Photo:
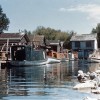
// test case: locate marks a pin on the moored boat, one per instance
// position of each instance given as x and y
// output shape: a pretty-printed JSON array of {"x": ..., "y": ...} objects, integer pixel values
[
  {"x": 96, "y": 60},
  {"x": 94, "y": 57},
  {"x": 24, "y": 55},
  {"x": 53, "y": 60}
]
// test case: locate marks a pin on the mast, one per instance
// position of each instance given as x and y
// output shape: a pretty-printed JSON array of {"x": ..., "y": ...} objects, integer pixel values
[
  {"x": 7, "y": 48},
  {"x": 7, "y": 45}
]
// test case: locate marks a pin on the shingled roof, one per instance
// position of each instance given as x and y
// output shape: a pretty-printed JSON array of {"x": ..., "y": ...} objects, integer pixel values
[
  {"x": 11, "y": 35},
  {"x": 83, "y": 37},
  {"x": 38, "y": 39},
  {"x": 52, "y": 42}
]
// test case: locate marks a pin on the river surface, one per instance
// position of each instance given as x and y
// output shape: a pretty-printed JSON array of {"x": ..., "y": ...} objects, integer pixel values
[{"x": 47, "y": 82}]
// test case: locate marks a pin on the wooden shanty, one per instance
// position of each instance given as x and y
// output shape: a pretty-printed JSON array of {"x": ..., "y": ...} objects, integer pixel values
[
  {"x": 39, "y": 41},
  {"x": 84, "y": 44},
  {"x": 8, "y": 39}
]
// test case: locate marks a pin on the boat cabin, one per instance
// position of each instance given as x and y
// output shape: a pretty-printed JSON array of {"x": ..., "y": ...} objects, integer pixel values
[{"x": 26, "y": 52}]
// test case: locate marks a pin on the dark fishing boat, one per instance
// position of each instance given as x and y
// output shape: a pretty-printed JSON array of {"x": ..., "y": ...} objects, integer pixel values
[{"x": 25, "y": 55}]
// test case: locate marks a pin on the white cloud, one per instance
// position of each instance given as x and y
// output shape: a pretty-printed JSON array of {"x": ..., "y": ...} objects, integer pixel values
[
  {"x": 92, "y": 11},
  {"x": 62, "y": 9}
]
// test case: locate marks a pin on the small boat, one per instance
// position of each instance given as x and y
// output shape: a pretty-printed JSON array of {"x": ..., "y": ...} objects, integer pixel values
[
  {"x": 53, "y": 60},
  {"x": 86, "y": 84},
  {"x": 95, "y": 60},
  {"x": 25, "y": 55},
  {"x": 94, "y": 57}
]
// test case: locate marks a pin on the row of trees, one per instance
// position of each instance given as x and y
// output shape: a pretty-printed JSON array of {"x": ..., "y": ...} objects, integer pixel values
[{"x": 52, "y": 34}]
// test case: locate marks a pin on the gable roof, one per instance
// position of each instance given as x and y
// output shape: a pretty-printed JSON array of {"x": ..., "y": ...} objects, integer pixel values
[
  {"x": 38, "y": 38},
  {"x": 13, "y": 37},
  {"x": 52, "y": 42},
  {"x": 83, "y": 37}
]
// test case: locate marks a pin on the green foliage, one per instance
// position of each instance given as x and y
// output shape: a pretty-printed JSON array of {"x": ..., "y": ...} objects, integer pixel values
[
  {"x": 52, "y": 34},
  {"x": 29, "y": 34},
  {"x": 67, "y": 43},
  {"x": 97, "y": 30},
  {"x": 93, "y": 31},
  {"x": 4, "y": 21}
]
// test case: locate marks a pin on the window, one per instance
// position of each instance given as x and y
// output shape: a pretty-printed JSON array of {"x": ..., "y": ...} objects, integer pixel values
[
  {"x": 88, "y": 44},
  {"x": 77, "y": 44}
]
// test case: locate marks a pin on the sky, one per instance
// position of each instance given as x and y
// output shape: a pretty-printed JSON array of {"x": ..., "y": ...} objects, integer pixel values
[{"x": 80, "y": 16}]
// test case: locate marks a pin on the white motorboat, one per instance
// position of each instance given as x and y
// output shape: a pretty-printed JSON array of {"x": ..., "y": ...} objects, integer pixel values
[
  {"x": 94, "y": 60},
  {"x": 53, "y": 60}
]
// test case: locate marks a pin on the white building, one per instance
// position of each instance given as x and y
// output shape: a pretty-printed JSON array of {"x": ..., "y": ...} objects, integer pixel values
[{"x": 84, "y": 44}]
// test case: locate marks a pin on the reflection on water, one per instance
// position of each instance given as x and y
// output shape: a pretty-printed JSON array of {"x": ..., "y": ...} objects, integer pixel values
[{"x": 51, "y": 81}]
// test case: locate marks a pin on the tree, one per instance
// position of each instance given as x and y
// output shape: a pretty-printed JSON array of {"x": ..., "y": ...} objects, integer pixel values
[
  {"x": 97, "y": 30},
  {"x": 93, "y": 31},
  {"x": 4, "y": 21},
  {"x": 29, "y": 34},
  {"x": 51, "y": 34},
  {"x": 67, "y": 43}
]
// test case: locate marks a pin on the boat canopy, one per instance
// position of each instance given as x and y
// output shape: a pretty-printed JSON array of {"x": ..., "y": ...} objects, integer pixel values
[{"x": 24, "y": 52}]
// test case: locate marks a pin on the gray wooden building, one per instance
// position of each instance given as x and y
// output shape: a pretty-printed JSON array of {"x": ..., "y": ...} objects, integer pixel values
[
  {"x": 84, "y": 44},
  {"x": 8, "y": 39}
]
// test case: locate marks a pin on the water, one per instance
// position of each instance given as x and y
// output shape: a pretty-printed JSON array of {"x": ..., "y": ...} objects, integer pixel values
[{"x": 47, "y": 82}]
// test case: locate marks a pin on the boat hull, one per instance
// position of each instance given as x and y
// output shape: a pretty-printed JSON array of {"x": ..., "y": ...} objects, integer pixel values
[
  {"x": 94, "y": 60},
  {"x": 28, "y": 63},
  {"x": 52, "y": 60}
]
